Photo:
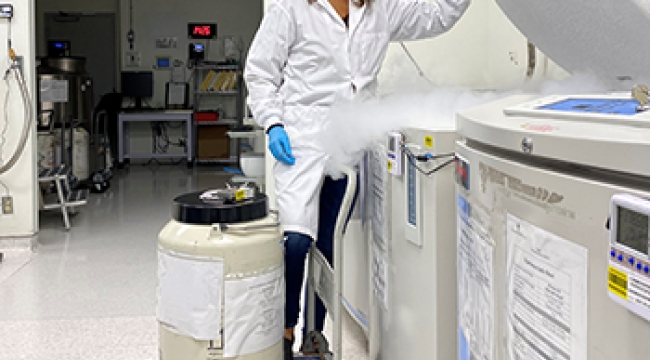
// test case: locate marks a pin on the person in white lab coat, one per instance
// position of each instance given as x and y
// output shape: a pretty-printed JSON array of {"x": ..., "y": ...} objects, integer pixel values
[{"x": 306, "y": 56}]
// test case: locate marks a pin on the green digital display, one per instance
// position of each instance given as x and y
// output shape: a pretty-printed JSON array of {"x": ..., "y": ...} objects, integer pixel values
[{"x": 633, "y": 229}]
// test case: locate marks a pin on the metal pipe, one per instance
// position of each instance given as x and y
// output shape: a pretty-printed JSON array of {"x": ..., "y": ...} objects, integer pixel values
[{"x": 339, "y": 231}]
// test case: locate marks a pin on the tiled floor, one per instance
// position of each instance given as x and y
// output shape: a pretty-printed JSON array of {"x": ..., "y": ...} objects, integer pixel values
[{"x": 90, "y": 293}]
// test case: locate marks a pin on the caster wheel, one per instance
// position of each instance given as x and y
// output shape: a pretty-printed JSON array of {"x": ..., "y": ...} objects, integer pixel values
[{"x": 100, "y": 187}]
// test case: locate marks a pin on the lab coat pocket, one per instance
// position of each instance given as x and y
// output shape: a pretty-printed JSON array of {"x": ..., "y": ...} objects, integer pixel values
[{"x": 373, "y": 51}]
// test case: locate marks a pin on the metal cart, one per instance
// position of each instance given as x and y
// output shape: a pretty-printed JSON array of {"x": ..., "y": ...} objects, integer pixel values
[{"x": 327, "y": 283}]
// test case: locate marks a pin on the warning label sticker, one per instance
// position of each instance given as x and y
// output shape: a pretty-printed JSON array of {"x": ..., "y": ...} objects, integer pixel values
[{"x": 617, "y": 282}]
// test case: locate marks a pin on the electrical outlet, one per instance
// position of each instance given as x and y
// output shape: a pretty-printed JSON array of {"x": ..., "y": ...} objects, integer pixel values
[
  {"x": 132, "y": 59},
  {"x": 7, "y": 205}
]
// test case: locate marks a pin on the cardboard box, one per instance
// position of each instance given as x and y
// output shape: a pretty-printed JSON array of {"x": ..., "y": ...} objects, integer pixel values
[{"x": 213, "y": 142}]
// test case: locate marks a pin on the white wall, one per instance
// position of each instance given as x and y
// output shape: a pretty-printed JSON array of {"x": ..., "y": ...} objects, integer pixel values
[
  {"x": 168, "y": 18},
  {"x": 483, "y": 51},
  {"x": 21, "y": 180}
]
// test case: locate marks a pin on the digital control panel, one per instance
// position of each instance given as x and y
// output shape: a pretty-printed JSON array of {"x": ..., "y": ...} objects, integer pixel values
[
  {"x": 395, "y": 154},
  {"x": 628, "y": 278},
  {"x": 618, "y": 109},
  {"x": 598, "y": 106}
]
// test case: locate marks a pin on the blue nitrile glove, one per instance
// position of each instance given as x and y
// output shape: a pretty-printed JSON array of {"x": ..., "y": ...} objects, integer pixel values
[{"x": 280, "y": 146}]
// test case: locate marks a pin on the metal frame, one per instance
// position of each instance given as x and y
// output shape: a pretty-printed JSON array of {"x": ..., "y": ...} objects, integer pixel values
[
  {"x": 327, "y": 283},
  {"x": 66, "y": 198},
  {"x": 154, "y": 116}
]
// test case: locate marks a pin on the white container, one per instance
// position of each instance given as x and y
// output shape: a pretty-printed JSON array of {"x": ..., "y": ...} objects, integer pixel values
[
  {"x": 80, "y": 151},
  {"x": 221, "y": 286},
  {"x": 45, "y": 150},
  {"x": 253, "y": 165}
]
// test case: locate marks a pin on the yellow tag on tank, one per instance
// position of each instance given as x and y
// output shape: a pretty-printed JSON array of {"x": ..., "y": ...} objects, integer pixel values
[
  {"x": 428, "y": 141},
  {"x": 240, "y": 195},
  {"x": 617, "y": 282},
  {"x": 390, "y": 165}
]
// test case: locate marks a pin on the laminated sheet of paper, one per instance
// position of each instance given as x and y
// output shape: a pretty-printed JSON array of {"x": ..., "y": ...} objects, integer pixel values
[
  {"x": 254, "y": 313},
  {"x": 380, "y": 275},
  {"x": 378, "y": 191},
  {"x": 476, "y": 311},
  {"x": 176, "y": 95},
  {"x": 547, "y": 295},
  {"x": 190, "y": 294},
  {"x": 54, "y": 91}
]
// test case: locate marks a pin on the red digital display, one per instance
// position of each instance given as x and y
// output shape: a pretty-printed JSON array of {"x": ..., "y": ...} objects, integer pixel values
[{"x": 202, "y": 31}]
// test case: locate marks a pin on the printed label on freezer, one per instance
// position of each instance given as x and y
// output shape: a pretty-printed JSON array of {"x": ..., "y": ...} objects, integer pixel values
[
  {"x": 546, "y": 313},
  {"x": 476, "y": 313}
]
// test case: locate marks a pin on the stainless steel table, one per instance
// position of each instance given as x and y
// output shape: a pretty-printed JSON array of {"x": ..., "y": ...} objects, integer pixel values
[{"x": 126, "y": 118}]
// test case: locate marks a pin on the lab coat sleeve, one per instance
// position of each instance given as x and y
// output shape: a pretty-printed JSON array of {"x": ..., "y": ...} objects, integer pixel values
[
  {"x": 267, "y": 56},
  {"x": 421, "y": 19}
]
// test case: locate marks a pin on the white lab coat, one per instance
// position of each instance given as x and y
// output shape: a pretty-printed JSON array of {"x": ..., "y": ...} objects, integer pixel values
[{"x": 304, "y": 59}]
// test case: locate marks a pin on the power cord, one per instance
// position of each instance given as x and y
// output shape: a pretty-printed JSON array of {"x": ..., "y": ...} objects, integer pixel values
[{"x": 414, "y": 159}]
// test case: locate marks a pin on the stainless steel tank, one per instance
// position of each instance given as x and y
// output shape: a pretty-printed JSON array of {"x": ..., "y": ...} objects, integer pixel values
[{"x": 79, "y": 104}]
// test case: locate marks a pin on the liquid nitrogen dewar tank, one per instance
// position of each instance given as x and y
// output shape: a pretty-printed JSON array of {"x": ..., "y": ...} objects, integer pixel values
[{"x": 221, "y": 278}]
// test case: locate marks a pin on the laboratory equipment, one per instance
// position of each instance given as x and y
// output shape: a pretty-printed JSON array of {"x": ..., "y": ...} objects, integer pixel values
[
  {"x": 395, "y": 155},
  {"x": 58, "y": 48},
  {"x": 221, "y": 278},
  {"x": 413, "y": 245},
  {"x": 137, "y": 85},
  {"x": 533, "y": 222},
  {"x": 629, "y": 262},
  {"x": 197, "y": 52},
  {"x": 66, "y": 92},
  {"x": 551, "y": 234},
  {"x": 105, "y": 119},
  {"x": 19, "y": 215},
  {"x": 75, "y": 153}
]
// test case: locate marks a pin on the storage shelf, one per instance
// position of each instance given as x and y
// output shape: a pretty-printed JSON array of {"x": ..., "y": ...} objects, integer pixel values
[
  {"x": 232, "y": 160},
  {"x": 251, "y": 134},
  {"x": 218, "y": 122},
  {"x": 223, "y": 93},
  {"x": 205, "y": 96},
  {"x": 216, "y": 67},
  {"x": 156, "y": 156}
]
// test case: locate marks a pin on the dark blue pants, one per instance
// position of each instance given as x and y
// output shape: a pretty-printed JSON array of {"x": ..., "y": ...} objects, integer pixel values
[{"x": 297, "y": 246}]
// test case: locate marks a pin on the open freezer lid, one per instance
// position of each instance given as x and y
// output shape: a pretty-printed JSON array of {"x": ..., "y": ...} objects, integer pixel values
[
  {"x": 606, "y": 37},
  {"x": 616, "y": 142}
]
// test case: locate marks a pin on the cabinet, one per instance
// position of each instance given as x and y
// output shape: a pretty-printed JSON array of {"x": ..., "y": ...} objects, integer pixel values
[{"x": 218, "y": 107}]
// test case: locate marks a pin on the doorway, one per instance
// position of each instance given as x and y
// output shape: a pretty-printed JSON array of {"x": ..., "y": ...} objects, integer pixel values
[{"x": 92, "y": 36}]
